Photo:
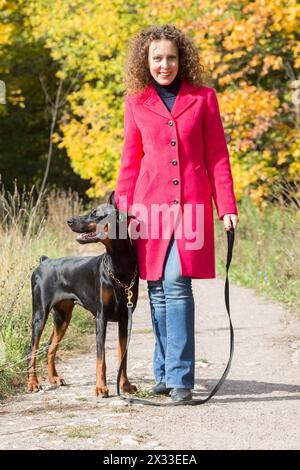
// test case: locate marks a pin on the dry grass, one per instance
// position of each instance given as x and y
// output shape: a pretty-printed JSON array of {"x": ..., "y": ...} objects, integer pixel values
[
  {"x": 24, "y": 237},
  {"x": 267, "y": 247},
  {"x": 266, "y": 257}
]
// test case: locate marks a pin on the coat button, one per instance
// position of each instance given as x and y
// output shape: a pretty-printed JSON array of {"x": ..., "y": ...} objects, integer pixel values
[
  {"x": 175, "y": 181},
  {"x": 175, "y": 201},
  {"x": 174, "y": 162},
  {"x": 171, "y": 123},
  {"x": 173, "y": 142}
]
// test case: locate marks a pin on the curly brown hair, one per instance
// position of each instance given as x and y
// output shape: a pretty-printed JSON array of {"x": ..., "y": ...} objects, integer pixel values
[{"x": 136, "y": 77}]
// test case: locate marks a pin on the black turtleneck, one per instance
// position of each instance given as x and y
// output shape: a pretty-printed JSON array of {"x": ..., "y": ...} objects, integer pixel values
[{"x": 169, "y": 92}]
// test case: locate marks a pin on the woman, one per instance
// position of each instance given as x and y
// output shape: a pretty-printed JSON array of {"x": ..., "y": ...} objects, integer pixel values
[{"x": 174, "y": 161}]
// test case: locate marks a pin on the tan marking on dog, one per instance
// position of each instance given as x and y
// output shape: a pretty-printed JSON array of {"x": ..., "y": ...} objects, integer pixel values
[
  {"x": 125, "y": 385},
  {"x": 66, "y": 308},
  {"x": 101, "y": 386}
]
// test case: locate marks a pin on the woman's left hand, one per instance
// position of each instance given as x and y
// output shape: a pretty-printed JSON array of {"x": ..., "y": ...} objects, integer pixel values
[{"x": 230, "y": 220}]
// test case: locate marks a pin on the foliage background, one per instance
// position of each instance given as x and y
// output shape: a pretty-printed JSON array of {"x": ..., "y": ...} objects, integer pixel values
[
  {"x": 72, "y": 53},
  {"x": 251, "y": 50}
]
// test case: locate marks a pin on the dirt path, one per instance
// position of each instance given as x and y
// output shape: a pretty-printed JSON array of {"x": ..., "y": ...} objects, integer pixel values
[{"x": 257, "y": 407}]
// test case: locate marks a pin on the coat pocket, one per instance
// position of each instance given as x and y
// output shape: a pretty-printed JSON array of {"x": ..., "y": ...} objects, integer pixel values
[{"x": 143, "y": 183}]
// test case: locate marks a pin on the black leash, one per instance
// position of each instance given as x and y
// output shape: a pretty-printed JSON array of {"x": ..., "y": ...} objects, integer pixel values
[{"x": 129, "y": 400}]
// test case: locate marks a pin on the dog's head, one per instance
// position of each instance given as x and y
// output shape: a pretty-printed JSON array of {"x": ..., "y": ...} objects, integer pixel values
[{"x": 99, "y": 224}]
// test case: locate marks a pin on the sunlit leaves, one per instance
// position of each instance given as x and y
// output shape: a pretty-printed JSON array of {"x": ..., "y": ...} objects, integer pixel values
[{"x": 250, "y": 48}]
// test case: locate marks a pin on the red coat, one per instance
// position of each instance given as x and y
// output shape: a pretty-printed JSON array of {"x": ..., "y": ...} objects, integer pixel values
[{"x": 175, "y": 158}]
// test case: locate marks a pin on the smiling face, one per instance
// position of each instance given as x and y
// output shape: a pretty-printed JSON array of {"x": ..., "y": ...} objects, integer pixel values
[{"x": 163, "y": 61}]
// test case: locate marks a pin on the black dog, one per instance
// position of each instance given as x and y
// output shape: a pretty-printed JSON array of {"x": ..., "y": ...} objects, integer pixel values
[{"x": 95, "y": 283}]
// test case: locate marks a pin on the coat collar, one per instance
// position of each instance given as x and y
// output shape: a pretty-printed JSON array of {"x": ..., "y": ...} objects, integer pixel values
[{"x": 184, "y": 100}]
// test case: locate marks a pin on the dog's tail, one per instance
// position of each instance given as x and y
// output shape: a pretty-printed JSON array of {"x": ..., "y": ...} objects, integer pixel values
[{"x": 42, "y": 258}]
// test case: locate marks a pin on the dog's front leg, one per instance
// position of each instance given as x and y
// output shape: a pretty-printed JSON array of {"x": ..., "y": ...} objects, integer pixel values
[
  {"x": 125, "y": 385},
  {"x": 39, "y": 318},
  {"x": 101, "y": 387}
]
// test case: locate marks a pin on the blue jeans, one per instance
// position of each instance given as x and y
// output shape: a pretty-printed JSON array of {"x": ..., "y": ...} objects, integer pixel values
[{"x": 173, "y": 319}]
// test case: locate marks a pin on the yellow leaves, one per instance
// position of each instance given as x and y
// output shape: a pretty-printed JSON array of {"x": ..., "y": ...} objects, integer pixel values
[
  {"x": 250, "y": 105},
  {"x": 294, "y": 169},
  {"x": 248, "y": 116},
  {"x": 220, "y": 70},
  {"x": 242, "y": 35},
  {"x": 87, "y": 39},
  {"x": 255, "y": 60},
  {"x": 282, "y": 157},
  {"x": 240, "y": 43},
  {"x": 6, "y": 32},
  {"x": 257, "y": 195},
  {"x": 16, "y": 98},
  {"x": 267, "y": 155},
  {"x": 93, "y": 142},
  {"x": 7, "y": 28},
  {"x": 271, "y": 62},
  {"x": 234, "y": 55},
  {"x": 73, "y": 30},
  {"x": 61, "y": 74},
  {"x": 229, "y": 78},
  {"x": 296, "y": 53}
]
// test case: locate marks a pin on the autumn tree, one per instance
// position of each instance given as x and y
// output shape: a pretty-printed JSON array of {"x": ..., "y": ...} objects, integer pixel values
[
  {"x": 25, "y": 120},
  {"x": 250, "y": 48},
  {"x": 252, "y": 51},
  {"x": 88, "y": 40}
]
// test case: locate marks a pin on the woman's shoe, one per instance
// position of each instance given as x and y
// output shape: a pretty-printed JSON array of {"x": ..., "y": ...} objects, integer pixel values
[
  {"x": 160, "y": 389},
  {"x": 181, "y": 394}
]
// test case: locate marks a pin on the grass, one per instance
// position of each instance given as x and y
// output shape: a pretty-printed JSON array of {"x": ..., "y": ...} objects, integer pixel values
[
  {"x": 23, "y": 239},
  {"x": 266, "y": 253},
  {"x": 128, "y": 409},
  {"x": 266, "y": 257},
  {"x": 81, "y": 432},
  {"x": 48, "y": 430},
  {"x": 142, "y": 392},
  {"x": 143, "y": 331}
]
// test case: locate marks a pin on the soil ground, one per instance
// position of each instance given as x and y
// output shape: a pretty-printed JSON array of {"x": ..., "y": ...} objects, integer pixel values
[{"x": 256, "y": 408}]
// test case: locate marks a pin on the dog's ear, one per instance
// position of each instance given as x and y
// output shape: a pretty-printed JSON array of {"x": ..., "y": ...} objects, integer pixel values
[{"x": 111, "y": 200}]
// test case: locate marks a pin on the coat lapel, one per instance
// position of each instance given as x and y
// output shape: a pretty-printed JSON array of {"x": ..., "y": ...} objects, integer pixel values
[{"x": 183, "y": 101}]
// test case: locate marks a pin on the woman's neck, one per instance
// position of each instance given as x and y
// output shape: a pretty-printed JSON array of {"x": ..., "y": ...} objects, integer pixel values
[{"x": 171, "y": 88}]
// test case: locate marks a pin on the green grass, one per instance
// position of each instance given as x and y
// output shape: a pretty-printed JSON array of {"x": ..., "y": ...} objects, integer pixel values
[
  {"x": 266, "y": 257},
  {"x": 81, "y": 432},
  {"x": 266, "y": 253},
  {"x": 23, "y": 239}
]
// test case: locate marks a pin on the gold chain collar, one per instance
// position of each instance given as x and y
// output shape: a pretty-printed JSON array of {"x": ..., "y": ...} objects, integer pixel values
[{"x": 127, "y": 289}]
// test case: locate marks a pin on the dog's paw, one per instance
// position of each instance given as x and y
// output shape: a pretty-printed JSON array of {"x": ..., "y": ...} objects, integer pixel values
[
  {"x": 33, "y": 385},
  {"x": 127, "y": 387},
  {"x": 101, "y": 390},
  {"x": 55, "y": 379}
]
